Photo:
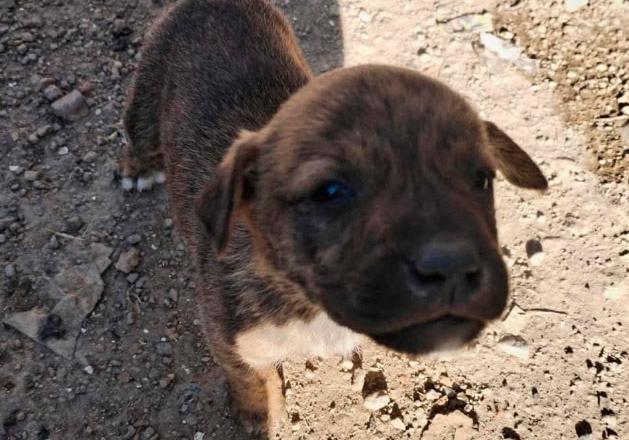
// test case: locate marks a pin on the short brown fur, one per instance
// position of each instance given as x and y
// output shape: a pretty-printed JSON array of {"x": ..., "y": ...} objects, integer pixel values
[{"x": 256, "y": 153}]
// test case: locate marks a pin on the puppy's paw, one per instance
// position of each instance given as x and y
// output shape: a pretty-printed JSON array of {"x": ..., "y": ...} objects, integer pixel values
[{"x": 144, "y": 182}]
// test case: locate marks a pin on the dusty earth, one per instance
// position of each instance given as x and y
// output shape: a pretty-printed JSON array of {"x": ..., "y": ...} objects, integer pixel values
[{"x": 82, "y": 261}]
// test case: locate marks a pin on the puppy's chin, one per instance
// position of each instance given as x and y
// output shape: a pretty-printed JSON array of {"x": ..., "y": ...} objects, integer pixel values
[{"x": 441, "y": 334}]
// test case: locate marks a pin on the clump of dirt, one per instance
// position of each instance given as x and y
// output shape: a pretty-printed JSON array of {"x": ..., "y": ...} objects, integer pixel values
[{"x": 583, "y": 52}]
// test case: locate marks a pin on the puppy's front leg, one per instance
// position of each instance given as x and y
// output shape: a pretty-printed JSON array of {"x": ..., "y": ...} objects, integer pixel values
[{"x": 257, "y": 399}]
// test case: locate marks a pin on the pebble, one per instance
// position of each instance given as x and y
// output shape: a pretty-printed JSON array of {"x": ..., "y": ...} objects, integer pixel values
[
  {"x": 73, "y": 225},
  {"x": 534, "y": 252},
  {"x": 3, "y": 239},
  {"x": 31, "y": 176},
  {"x": 173, "y": 296},
  {"x": 398, "y": 423},
  {"x": 128, "y": 260},
  {"x": 514, "y": 345},
  {"x": 9, "y": 270},
  {"x": 134, "y": 239},
  {"x": 166, "y": 381},
  {"x": 53, "y": 243},
  {"x": 616, "y": 292},
  {"x": 89, "y": 370},
  {"x": 575, "y": 5},
  {"x": 148, "y": 433},
  {"x": 164, "y": 348},
  {"x": 132, "y": 277},
  {"x": 52, "y": 93},
  {"x": 376, "y": 401},
  {"x": 90, "y": 157},
  {"x": 71, "y": 107}
]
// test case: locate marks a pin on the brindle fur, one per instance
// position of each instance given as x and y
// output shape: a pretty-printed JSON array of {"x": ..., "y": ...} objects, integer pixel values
[{"x": 210, "y": 102}]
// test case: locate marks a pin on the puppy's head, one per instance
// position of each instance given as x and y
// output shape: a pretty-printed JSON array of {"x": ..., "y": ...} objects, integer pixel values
[{"x": 372, "y": 189}]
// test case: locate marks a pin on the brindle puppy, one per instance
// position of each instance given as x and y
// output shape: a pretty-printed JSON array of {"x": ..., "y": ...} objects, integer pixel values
[{"x": 319, "y": 209}]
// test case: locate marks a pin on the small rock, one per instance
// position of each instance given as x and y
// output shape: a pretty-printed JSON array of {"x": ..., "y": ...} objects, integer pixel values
[
  {"x": 9, "y": 270},
  {"x": 43, "y": 130},
  {"x": 90, "y": 157},
  {"x": 71, "y": 107},
  {"x": 63, "y": 151},
  {"x": 166, "y": 381},
  {"x": 199, "y": 436},
  {"x": 515, "y": 321},
  {"x": 73, "y": 225},
  {"x": 624, "y": 134},
  {"x": 124, "y": 377},
  {"x": 514, "y": 346},
  {"x": 129, "y": 433},
  {"x": 375, "y": 390},
  {"x": 164, "y": 348},
  {"x": 173, "y": 296},
  {"x": 89, "y": 370},
  {"x": 16, "y": 169},
  {"x": 616, "y": 292},
  {"x": 52, "y": 93},
  {"x": 31, "y": 176},
  {"x": 398, "y": 423},
  {"x": 53, "y": 243},
  {"x": 134, "y": 239},
  {"x": 376, "y": 401},
  {"x": 364, "y": 16},
  {"x": 575, "y": 5},
  {"x": 128, "y": 260},
  {"x": 454, "y": 425},
  {"x": 148, "y": 433},
  {"x": 132, "y": 278}
]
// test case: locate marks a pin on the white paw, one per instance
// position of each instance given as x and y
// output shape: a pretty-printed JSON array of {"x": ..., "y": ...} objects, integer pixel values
[{"x": 143, "y": 183}]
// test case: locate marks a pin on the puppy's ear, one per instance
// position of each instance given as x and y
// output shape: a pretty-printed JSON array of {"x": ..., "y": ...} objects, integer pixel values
[
  {"x": 231, "y": 191},
  {"x": 513, "y": 162}
]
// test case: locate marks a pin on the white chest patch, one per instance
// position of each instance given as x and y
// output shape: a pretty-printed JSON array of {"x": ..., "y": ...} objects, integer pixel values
[{"x": 268, "y": 344}]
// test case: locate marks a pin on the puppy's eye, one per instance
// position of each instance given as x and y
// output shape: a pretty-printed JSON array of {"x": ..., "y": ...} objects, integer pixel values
[
  {"x": 483, "y": 180},
  {"x": 332, "y": 191}
]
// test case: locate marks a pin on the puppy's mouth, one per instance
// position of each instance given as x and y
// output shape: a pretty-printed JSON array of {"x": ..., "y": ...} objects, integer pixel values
[{"x": 443, "y": 333}]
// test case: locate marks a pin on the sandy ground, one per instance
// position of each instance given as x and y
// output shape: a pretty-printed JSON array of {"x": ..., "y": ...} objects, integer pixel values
[{"x": 556, "y": 366}]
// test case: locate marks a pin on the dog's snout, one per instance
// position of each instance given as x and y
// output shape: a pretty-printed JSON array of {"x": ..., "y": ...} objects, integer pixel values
[{"x": 447, "y": 268}]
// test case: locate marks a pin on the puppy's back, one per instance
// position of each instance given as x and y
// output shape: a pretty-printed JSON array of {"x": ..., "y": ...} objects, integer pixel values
[{"x": 209, "y": 69}]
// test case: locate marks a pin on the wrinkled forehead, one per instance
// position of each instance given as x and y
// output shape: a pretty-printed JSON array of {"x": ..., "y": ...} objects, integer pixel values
[{"x": 378, "y": 118}]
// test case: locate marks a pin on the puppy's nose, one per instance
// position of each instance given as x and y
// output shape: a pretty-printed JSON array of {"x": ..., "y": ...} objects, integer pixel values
[{"x": 447, "y": 268}]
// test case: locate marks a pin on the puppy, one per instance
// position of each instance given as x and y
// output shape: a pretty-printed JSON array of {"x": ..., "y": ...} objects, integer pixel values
[{"x": 319, "y": 210}]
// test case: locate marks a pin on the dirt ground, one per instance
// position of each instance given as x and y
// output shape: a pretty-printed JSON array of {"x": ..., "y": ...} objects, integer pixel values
[{"x": 556, "y": 366}]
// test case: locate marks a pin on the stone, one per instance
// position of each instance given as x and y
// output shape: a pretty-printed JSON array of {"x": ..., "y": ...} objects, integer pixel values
[
  {"x": 376, "y": 401},
  {"x": 514, "y": 345},
  {"x": 90, "y": 157},
  {"x": 624, "y": 134},
  {"x": 128, "y": 260},
  {"x": 71, "y": 107},
  {"x": 575, "y": 5},
  {"x": 375, "y": 390},
  {"x": 9, "y": 271},
  {"x": 78, "y": 290},
  {"x": 31, "y": 176},
  {"x": 398, "y": 423},
  {"x": 164, "y": 348},
  {"x": 616, "y": 292},
  {"x": 134, "y": 239},
  {"x": 515, "y": 321},
  {"x": 454, "y": 425},
  {"x": 52, "y": 93}
]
